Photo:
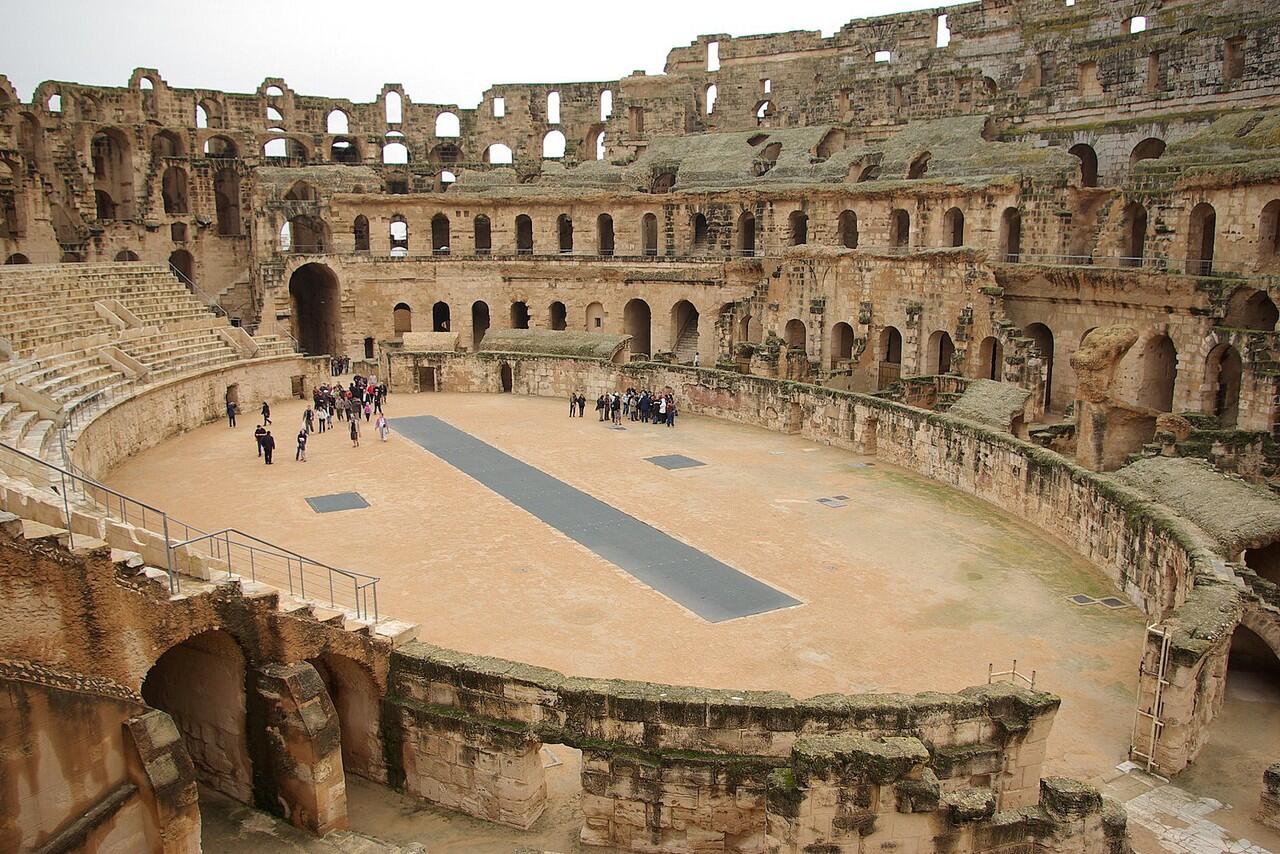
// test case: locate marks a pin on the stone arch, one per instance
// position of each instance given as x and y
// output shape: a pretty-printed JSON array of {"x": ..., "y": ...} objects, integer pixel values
[
  {"x": 1224, "y": 370},
  {"x": 440, "y": 317},
  {"x": 637, "y": 321},
  {"x": 684, "y": 330},
  {"x": 345, "y": 150},
  {"x": 1133, "y": 224},
  {"x": 519, "y": 314},
  {"x": 841, "y": 343},
  {"x": 795, "y": 334},
  {"x": 1042, "y": 336},
  {"x": 315, "y": 301},
  {"x": 649, "y": 234},
  {"x": 524, "y": 235},
  {"x": 402, "y": 319},
  {"x": 991, "y": 359},
  {"x": 173, "y": 190},
  {"x": 604, "y": 235},
  {"x": 557, "y": 316},
  {"x": 798, "y": 228},
  {"x": 889, "y": 357},
  {"x": 1269, "y": 232},
  {"x": 360, "y": 233},
  {"x": 1148, "y": 373},
  {"x": 166, "y": 143},
  {"x": 356, "y": 698},
  {"x": 700, "y": 233},
  {"x": 126, "y": 255},
  {"x": 564, "y": 232},
  {"x": 440, "y": 234},
  {"x": 847, "y": 226},
  {"x": 226, "y": 191},
  {"x": 1202, "y": 227},
  {"x": 1011, "y": 235},
  {"x": 200, "y": 683},
  {"x": 899, "y": 228},
  {"x": 744, "y": 238},
  {"x": 1250, "y": 308},
  {"x": 1255, "y": 647},
  {"x": 1151, "y": 148},
  {"x": 112, "y": 174},
  {"x": 182, "y": 261},
  {"x": 17, "y": 258},
  {"x": 919, "y": 166},
  {"x": 1088, "y": 158},
  {"x": 479, "y": 322},
  {"x": 953, "y": 227},
  {"x": 482, "y": 235},
  {"x": 506, "y": 377},
  {"x": 593, "y": 320},
  {"x": 941, "y": 351}
]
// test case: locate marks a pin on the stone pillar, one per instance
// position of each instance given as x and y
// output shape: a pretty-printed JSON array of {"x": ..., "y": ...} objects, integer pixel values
[
  {"x": 161, "y": 768},
  {"x": 301, "y": 746},
  {"x": 488, "y": 771},
  {"x": 662, "y": 803},
  {"x": 1269, "y": 807}
]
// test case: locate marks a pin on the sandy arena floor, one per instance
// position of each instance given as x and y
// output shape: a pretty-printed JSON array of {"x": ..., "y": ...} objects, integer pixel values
[{"x": 912, "y": 586}]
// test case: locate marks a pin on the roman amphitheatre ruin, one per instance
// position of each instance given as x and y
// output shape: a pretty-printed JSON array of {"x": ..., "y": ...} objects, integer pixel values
[{"x": 966, "y": 538}]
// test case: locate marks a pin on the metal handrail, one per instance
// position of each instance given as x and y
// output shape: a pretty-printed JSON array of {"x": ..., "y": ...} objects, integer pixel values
[
  {"x": 263, "y": 557},
  {"x": 209, "y": 301}
]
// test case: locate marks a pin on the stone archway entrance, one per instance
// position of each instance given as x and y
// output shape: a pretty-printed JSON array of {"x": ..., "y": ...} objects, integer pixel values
[{"x": 315, "y": 301}]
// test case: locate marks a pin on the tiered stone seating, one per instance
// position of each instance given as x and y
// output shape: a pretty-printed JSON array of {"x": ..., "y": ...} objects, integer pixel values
[{"x": 171, "y": 352}]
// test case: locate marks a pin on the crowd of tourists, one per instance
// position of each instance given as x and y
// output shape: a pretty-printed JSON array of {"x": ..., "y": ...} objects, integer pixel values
[
  {"x": 357, "y": 404},
  {"x": 339, "y": 365},
  {"x": 644, "y": 407}
]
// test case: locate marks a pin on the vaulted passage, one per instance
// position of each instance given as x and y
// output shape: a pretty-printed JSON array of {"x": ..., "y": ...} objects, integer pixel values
[{"x": 316, "y": 303}]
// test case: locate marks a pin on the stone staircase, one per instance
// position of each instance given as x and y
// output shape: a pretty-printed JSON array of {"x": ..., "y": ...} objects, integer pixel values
[{"x": 687, "y": 343}]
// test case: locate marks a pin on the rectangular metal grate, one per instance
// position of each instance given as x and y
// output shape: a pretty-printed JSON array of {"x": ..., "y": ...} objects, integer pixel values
[
  {"x": 337, "y": 501},
  {"x": 675, "y": 461}
]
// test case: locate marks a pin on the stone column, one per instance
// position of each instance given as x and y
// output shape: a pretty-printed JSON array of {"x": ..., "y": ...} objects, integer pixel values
[
  {"x": 161, "y": 768},
  {"x": 301, "y": 745}
]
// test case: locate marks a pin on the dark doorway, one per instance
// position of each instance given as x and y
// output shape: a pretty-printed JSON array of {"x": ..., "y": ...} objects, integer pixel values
[{"x": 315, "y": 301}]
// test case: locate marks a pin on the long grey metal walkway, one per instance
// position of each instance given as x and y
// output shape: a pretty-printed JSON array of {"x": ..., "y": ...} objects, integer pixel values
[{"x": 713, "y": 590}]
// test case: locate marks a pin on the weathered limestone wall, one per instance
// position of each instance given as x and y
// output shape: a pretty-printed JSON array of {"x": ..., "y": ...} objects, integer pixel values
[
  {"x": 1269, "y": 808},
  {"x": 159, "y": 411},
  {"x": 688, "y": 769},
  {"x": 75, "y": 754}
]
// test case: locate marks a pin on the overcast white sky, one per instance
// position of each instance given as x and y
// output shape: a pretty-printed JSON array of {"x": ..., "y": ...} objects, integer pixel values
[{"x": 443, "y": 52}]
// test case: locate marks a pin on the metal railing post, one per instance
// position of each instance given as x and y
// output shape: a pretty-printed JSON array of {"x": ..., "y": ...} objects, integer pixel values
[
  {"x": 66, "y": 509},
  {"x": 168, "y": 552}
]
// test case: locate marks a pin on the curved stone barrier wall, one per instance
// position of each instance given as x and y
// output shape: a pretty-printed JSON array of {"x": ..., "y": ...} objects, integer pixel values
[{"x": 1165, "y": 565}]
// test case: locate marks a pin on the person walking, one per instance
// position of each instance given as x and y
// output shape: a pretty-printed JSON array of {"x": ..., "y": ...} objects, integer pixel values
[
  {"x": 266, "y": 413},
  {"x": 615, "y": 408},
  {"x": 321, "y": 416},
  {"x": 671, "y": 411},
  {"x": 308, "y": 420},
  {"x": 368, "y": 410},
  {"x": 600, "y": 406},
  {"x": 301, "y": 455},
  {"x": 582, "y": 404},
  {"x": 381, "y": 426},
  {"x": 259, "y": 433},
  {"x": 268, "y": 447},
  {"x": 662, "y": 410},
  {"x": 355, "y": 431},
  {"x": 231, "y": 413},
  {"x": 573, "y": 404}
]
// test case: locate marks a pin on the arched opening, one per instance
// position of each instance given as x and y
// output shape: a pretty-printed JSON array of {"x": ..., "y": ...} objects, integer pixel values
[
  {"x": 315, "y": 303},
  {"x": 663, "y": 182},
  {"x": 301, "y": 191},
  {"x": 553, "y": 108},
  {"x": 395, "y": 154},
  {"x": 699, "y": 233},
  {"x": 1223, "y": 372},
  {"x": 558, "y": 316},
  {"x": 848, "y": 228},
  {"x": 1250, "y": 653},
  {"x": 953, "y": 227},
  {"x": 750, "y": 330},
  {"x": 604, "y": 235},
  {"x": 200, "y": 683},
  {"x": 601, "y": 146},
  {"x": 344, "y": 151},
  {"x": 394, "y": 108},
  {"x": 17, "y": 258},
  {"x": 226, "y": 192},
  {"x": 890, "y": 357},
  {"x": 1269, "y": 232},
  {"x": 1134, "y": 225},
  {"x": 709, "y": 98},
  {"x": 941, "y": 351},
  {"x": 841, "y": 343},
  {"x": 524, "y": 235},
  {"x": 899, "y": 228},
  {"x": 684, "y": 331},
  {"x": 182, "y": 261},
  {"x": 637, "y": 320},
  {"x": 439, "y": 234},
  {"x": 355, "y": 700},
  {"x": 173, "y": 190},
  {"x": 368, "y": 347},
  {"x": 1250, "y": 308},
  {"x": 649, "y": 234},
  {"x": 594, "y": 319},
  {"x": 506, "y": 378},
  {"x": 112, "y": 174},
  {"x": 1159, "y": 374},
  {"x": 1042, "y": 337},
  {"x": 307, "y": 234},
  {"x": 798, "y": 225},
  {"x": 1265, "y": 561},
  {"x": 479, "y": 322},
  {"x": 1088, "y": 163},
  {"x": 126, "y": 255},
  {"x": 553, "y": 145},
  {"x": 440, "y": 317},
  {"x": 448, "y": 126},
  {"x": 606, "y": 104},
  {"x": 519, "y": 315},
  {"x": 166, "y": 143},
  {"x": 1148, "y": 149},
  {"x": 1201, "y": 235},
  {"x": 482, "y": 234},
  {"x": 744, "y": 238},
  {"x": 919, "y": 167},
  {"x": 402, "y": 319},
  {"x": 498, "y": 154},
  {"x": 564, "y": 228},
  {"x": 795, "y": 335},
  {"x": 1011, "y": 235},
  {"x": 360, "y": 231},
  {"x": 398, "y": 236},
  {"x": 991, "y": 359},
  {"x": 336, "y": 122}
]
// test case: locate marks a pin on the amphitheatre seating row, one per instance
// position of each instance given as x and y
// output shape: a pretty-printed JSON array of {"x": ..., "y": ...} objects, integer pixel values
[{"x": 49, "y": 315}]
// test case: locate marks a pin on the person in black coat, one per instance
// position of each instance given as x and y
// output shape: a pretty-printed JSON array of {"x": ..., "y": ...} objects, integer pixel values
[
  {"x": 266, "y": 413},
  {"x": 259, "y": 433},
  {"x": 268, "y": 446}
]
